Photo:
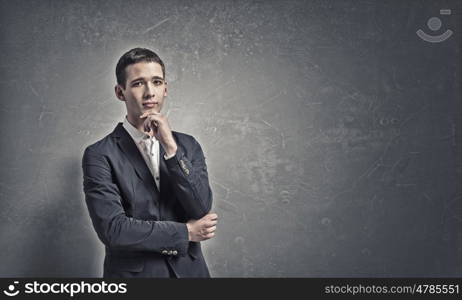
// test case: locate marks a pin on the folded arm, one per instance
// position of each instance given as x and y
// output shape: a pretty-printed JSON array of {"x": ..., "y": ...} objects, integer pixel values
[
  {"x": 114, "y": 228},
  {"x": 190, "y": 181}
]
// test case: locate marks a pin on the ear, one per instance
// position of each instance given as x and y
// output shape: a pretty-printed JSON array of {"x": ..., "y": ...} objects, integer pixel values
[
  {"x": 119, "y": 92},
  {"x": 165, "y": 89}
]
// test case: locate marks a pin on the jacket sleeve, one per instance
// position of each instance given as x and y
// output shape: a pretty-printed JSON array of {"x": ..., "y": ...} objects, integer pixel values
[
  {"x": 190, "y": 181},
  {"x": 114, "y": 228}
]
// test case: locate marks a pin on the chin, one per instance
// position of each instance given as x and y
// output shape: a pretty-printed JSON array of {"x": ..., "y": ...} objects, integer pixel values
[{"x": 156, "y": 109}]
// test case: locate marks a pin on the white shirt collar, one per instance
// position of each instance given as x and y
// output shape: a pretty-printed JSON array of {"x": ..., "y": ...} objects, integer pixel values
[{"x": 136, "y": 135}]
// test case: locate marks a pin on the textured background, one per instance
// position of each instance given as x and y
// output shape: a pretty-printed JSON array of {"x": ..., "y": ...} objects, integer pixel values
[{"x": 332, "y": 132}]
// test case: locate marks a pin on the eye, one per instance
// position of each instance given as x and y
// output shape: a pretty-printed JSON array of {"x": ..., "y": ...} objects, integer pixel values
[
  {"x": 138, "y": 83},
  {"x": 157, "y": 82}
]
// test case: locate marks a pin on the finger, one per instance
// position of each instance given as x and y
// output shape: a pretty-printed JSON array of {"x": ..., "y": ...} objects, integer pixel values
[
  {"x": 210, "y": 235},
  {"x": 147, "y": 128},
  {"x": 210, "y": 223},
  {"x": 149, "y": 113},
  {"x": 211, "y": 229},
  {"x": 154, "y": 123},
  {"x": 212, "y": 216},
  {"x": 154, "y": 120},
  {"x": 151, "y": 123}
]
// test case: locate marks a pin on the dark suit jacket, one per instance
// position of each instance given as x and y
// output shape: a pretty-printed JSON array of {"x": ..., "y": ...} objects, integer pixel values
[{"x": 144, "y": 230}]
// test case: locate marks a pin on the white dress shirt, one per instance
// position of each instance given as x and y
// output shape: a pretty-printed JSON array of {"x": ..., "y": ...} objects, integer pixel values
[{"x": 149, "y": 149}]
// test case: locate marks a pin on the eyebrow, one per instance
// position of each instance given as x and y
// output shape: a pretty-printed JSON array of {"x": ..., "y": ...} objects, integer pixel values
[{"x": 142, "y": 78}]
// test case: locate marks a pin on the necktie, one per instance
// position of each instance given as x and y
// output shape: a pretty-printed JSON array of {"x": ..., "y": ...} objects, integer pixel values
[{"x": 148, "y": 145}]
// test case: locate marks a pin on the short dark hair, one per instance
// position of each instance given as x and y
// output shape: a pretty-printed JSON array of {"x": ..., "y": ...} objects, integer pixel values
[{"x": 134, "y": 56}]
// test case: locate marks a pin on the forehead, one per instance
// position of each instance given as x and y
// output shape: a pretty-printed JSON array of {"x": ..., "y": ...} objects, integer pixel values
[{"x": 143, "y": 69}]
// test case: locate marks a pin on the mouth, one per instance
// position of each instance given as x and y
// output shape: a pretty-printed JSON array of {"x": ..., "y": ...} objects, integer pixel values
[{"x": 150, "y": 104}]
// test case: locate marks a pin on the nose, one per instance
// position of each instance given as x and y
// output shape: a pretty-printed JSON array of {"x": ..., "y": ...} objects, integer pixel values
[{"x": 149, "y": 90}]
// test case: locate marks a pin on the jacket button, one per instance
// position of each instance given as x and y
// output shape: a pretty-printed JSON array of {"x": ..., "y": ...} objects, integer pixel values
[
  {"x": 170, "y": 252},
  {"x": 175, "y": 252},
  {"x": 164, "y": 252}
]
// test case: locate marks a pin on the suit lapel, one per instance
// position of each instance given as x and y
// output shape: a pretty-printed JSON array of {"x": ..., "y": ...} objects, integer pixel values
[{"x": 131, "y": 151}]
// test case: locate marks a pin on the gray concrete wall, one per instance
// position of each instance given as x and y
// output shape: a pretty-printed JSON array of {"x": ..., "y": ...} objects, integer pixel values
[{"x": 332, "y": 132}]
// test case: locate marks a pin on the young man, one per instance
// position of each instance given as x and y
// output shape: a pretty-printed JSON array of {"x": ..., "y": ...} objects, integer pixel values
[{"x": 146, "y": 186}]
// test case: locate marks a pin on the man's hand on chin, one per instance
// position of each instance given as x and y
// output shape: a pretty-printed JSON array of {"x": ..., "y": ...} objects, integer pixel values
[{"x": 160, "y": 127}]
